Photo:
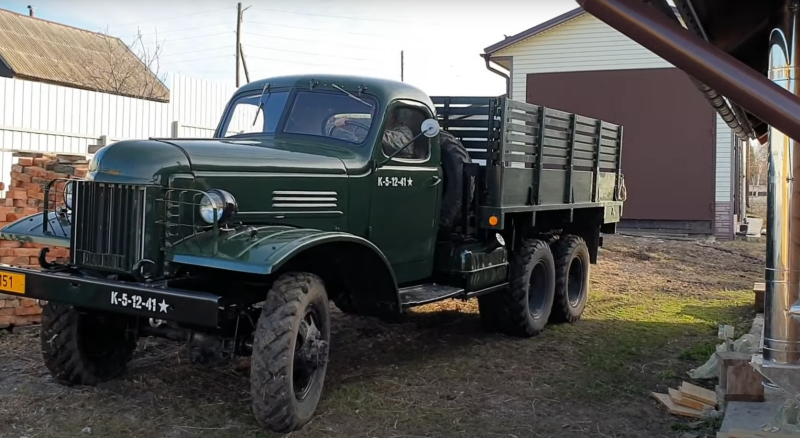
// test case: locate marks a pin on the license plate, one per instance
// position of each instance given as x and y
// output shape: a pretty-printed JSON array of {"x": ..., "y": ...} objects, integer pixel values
[{"x": 14, "y": 283}]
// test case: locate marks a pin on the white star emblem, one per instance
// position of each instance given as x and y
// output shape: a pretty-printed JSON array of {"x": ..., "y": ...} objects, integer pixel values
[{"x": 163, "y": 306}]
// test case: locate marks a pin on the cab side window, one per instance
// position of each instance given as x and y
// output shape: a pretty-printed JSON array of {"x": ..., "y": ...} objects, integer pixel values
[{"x": 402, "y": 125}]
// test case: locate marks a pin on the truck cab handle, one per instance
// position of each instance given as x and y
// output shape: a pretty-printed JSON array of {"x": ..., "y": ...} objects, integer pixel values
[{"x": 435, "y": 181}]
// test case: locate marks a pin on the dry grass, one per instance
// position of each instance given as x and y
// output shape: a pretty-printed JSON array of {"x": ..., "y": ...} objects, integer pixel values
[{"x": 652, "y": 316}]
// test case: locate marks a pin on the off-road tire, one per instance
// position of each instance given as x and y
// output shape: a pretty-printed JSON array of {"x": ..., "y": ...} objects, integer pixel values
[
  {"x": 509, "y": 310},
  {"x": 567, "y": 251},
  {"x": 454, "y": 157},
  {"x": 274, "y": 402},
  {"x": 85, "y": 348}
]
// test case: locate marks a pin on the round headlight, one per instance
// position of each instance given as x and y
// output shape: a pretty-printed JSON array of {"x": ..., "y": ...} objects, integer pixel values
[
  {"x": 217, "y": 204},
  {"x": 68, "y": 194}
]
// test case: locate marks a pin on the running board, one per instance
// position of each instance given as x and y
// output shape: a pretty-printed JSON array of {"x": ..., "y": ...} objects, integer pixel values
[{"x": 423, "y": 294}]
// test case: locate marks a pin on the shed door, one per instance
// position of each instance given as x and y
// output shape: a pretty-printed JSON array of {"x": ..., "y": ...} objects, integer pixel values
[{"x": 669, "y": 129}]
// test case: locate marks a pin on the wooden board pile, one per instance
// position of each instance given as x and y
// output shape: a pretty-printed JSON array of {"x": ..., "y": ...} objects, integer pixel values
[
  {"x": 688, "y": 400},
  {"x": 25, "y": 196}
]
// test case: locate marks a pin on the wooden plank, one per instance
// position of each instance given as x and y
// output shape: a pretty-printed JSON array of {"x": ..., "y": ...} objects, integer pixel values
[
  {"x": 695, "y": 392},
  {"x": 524, "y": 148},
  {"x": 555, "y": 143},
  {"x": 475, "y": 144},
  {"x": 557, "y": 124},
  {"x": 522, "y": 138},
  {"x": 514, "y": 158},
  {"x": 586, "y": 155},
  {"x": 738, "y": 380},
  {"x": 468, "y": 111},
  {"x": 554, "y": 152},
  {"x": 585, "y": 129},
  {"x": 467, "y": 123},
  {"x": 462, "y": 100},
  {"x": 586, "y": 147},
  {"x": 584, "y": 163},
  {"x": 478, "y": 155},
  {"x": 524, "y": 117},
  {"x": 608, "y": 142},
  {"x": 557, "y": 114},
  {"x": 680, "y": 400},
  {"x": 675, "y": 409},
  {"x": 560, "y": 135},
  {"x": 524, "y": 129}
]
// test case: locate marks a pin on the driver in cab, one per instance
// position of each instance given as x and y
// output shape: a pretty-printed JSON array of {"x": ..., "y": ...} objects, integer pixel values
[{"x": 395, "y": 136}]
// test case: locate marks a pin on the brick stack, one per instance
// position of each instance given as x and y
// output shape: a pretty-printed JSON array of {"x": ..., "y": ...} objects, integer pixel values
[{"x": 25, "y": 196}]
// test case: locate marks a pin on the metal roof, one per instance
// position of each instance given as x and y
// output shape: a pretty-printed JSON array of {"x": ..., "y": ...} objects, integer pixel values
[
  {"x": 44, "y": 51},
  {"x": 536, "y": 30}
]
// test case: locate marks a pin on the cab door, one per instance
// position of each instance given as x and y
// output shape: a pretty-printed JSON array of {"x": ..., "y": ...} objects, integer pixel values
[{"x": 404, "y": 207}]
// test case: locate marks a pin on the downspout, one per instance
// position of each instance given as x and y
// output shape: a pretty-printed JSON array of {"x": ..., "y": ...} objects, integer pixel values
[
  {"x": 487, "y": 57},
  {"x": 775, "y": 101}
]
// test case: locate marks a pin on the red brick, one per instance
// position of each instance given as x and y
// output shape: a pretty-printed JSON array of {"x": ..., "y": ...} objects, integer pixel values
[
  {"x": 27, "y": 211},
  {"x": 15, "y": 169},
  {"x": 5, "y": 321},
  {"x": 35, "y": 171},
  {"x": 81, "y": 172},
  {"x": 26, "y": 252},
  {"x": 27, "y": 302},
  {"x": 24, "y": 177},
  {"x": 17, "y": 194},
  {"x": 41, "y": 162},
  {"x": 25, "y": 161},
  {"x": 14, "y": 260},
  {"x": 13, "y": 303},
  {"x": 32, "y": 245},
  {"x": 21, "y": 321},
  {"x": 35, "y": 319},
  {"x": 8, "y": 202},
  {"x": 10, "y": 244},
  {"x": 2, "y": 303},
  {"x": 5, "y": 311}
]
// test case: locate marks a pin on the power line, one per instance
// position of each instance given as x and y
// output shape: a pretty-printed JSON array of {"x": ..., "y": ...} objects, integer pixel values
[
  {"x": 197, "y": 59},
  {"x": 319, "y": 30},
  {"x": 313, "y": 41},
  {"x": 182, "y": 29},
  {"x": 336, "y": 16},
  {"x": 196, "y": 37},
  {"x": 200, "y": 50},
  {"x": 313, "y": 54},
  {"x": 139, "y": 23}
]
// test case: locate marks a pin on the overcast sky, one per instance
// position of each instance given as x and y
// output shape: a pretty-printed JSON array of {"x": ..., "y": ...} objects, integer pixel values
[{"x": 442, "y": 40}]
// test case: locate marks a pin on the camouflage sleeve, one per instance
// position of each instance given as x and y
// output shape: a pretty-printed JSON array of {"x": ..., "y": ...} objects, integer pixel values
[{"x": 394, "y": 139}]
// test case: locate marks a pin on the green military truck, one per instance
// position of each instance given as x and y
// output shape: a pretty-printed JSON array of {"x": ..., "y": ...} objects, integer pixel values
[{"x": 237, "y": 244}]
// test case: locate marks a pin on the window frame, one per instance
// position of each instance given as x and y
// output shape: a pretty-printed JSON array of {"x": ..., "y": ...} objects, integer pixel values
[{"x": 408, "y": 103}]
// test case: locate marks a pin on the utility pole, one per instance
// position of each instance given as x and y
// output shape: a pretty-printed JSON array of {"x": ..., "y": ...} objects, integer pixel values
[
  {"x": 238, "y": 39},
  {"x": 244, "y": 64},
  {"x": 402, "y": 67}
]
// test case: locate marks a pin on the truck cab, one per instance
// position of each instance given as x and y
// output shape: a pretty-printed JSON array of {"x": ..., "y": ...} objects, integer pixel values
[{"x": 315, "y": 189}]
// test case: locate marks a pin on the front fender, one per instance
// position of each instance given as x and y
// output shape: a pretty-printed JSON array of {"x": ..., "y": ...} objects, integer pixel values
[
  {"x": 354, "y": 268},
  {"x": 30, "y": 229}
]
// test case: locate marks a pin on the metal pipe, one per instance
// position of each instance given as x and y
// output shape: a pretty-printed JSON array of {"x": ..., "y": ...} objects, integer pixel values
[
  {"x": 488, "y": 60},
  {"x": 781, "y": 330},
  {"x": 729, "y": 76}
]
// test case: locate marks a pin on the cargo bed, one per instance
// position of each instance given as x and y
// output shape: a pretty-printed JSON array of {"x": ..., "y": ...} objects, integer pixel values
[{"x": 535, "y": 158}]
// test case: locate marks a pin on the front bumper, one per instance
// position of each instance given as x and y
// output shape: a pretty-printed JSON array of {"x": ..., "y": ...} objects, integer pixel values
[{"x": 136, "y": 299}]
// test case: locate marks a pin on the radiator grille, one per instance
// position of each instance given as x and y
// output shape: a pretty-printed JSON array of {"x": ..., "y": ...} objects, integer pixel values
[{"x": 108, "y": 224}]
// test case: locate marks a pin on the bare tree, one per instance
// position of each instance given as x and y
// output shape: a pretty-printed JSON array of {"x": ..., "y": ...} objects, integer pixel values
[
  {"x": 758, "y": 163},
  {"x": 131, "y": 70}
]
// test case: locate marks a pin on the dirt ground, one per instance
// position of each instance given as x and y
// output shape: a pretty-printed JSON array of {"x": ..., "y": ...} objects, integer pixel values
[{"x": 652, "y": 315}]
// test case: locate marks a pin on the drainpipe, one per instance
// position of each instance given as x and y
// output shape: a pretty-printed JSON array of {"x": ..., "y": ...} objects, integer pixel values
[
  {"x": 487, "y": 57},
  {"x": 781, "y": 330},
  {"x": 775, "y": 101}
]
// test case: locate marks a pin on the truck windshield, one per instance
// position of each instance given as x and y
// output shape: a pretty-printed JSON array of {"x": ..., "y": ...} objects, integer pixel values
[{"x": 320, "y": 113}]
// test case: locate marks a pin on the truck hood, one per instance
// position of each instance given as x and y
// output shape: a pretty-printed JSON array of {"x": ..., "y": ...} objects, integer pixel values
[
  {"x": 266, "y": 155},
  {"x": 153, "y": 161}
]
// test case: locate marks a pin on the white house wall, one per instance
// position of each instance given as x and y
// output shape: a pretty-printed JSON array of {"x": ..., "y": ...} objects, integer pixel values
[
  {"x": 587, "y": 44},
  {"x": 35, "y": 116}
]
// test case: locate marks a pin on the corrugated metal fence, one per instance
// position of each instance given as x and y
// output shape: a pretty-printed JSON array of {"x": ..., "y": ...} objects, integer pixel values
[{"x": 50, "y": 118}]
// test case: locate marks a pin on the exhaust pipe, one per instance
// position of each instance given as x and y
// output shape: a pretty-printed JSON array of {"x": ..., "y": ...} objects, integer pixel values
[{"x": 775, "y": 101}]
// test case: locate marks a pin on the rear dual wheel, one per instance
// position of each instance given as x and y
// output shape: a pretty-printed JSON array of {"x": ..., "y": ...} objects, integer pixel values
[{"x": 546, "y": 284}]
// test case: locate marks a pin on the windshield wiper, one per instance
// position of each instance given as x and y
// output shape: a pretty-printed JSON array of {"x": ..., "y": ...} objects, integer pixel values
[
  {"x": 351, "y": 95},
  {"x": 261, "y": 102}
]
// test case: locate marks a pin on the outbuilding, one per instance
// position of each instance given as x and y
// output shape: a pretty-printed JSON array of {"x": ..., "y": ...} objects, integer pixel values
[{"x": 679, "y": 157}]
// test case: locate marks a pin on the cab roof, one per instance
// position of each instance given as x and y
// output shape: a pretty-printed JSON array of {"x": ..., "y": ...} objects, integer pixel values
[{"x": 383, "y": 89}]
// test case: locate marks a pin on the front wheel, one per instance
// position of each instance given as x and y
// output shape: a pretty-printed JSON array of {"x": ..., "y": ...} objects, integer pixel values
[
  {"x": 523, "y": 309},
  {"x": 85, "y": 348},
  {"x": 290, "y": 349}
]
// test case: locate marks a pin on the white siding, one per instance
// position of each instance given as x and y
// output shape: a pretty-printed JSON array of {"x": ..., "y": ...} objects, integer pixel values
[
  {"x": 41, "y": 117},
  {"x": 724, "y": 162},
  {"x": 581, "y": 44}
]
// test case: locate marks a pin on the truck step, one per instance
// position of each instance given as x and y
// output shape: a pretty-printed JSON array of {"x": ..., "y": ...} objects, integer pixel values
[{"x": 427, "y": 293}]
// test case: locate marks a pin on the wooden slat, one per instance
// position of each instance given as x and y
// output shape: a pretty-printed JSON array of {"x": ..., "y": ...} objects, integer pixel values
[
  {"x": 556, "y": 123},
  {"x": 582, "y": 163},
  {"x": 466, "y": 123},
  {"x": 525, "y": 129},
  {"x": 585, "y": 155},
  {"x": 607, "y": 159},
  {"x": 528, "y": 149},
  {"x": 525, "y": 117},
  {"x": 674, "y": 408},
  {"x": 695, "y": 392},
  {"x": 555, "y": 152},
  {"x": 458, "y": 100},
  {"x": 519, "y": 158},
  {"x": 553, "y": 143},
  {"x": 522, "y": 106},
  {"x": 475, "y": 144},
  {"x": 527, "y": 139},
  {"x": 557, "y": 114},
  {"x": 584, "y": 138},
  {"x": 585, "y": 129},
  {"x": 482, "y": 155},
  {"x": 552, "y": 133},
  {"x": 584, "y": 147},
  {"x": 608, "y": 142},
  {"x": 468, "y": 111},
  {"x": 608, "y": 150},
  {"x": 556, "y": 161}
]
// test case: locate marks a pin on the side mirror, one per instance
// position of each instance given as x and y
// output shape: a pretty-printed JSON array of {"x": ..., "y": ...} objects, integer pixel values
[{"x": 430, "y": 128}]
